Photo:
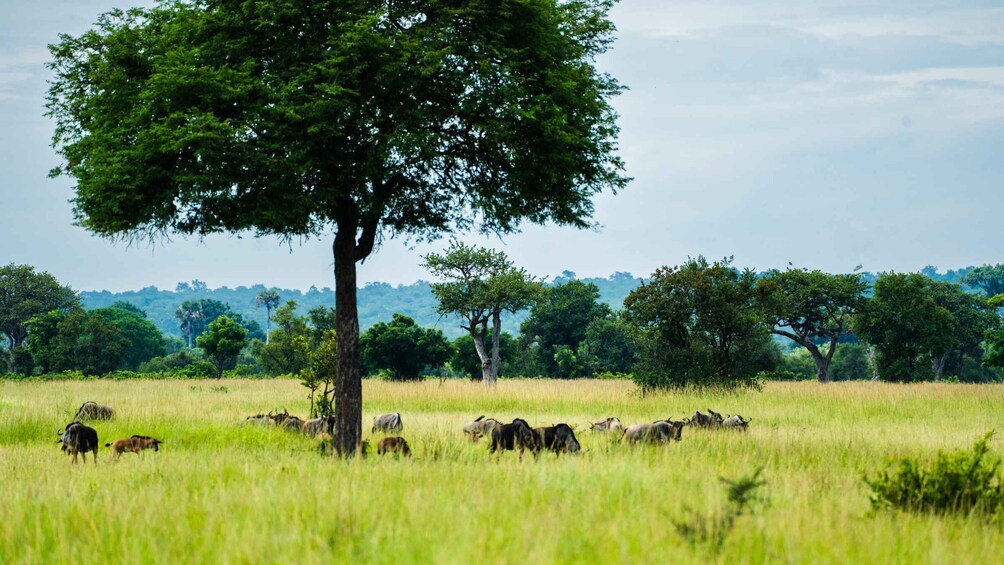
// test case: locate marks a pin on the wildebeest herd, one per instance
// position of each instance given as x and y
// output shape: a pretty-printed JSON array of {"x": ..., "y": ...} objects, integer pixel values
[{"x": 78, "y": 438}]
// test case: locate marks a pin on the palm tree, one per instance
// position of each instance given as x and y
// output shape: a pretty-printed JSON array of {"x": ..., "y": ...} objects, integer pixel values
[{"x": 269, "y": 299}]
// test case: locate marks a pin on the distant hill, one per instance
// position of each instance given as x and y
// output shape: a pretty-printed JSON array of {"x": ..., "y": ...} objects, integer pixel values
[{"x": 377, "y": 301}]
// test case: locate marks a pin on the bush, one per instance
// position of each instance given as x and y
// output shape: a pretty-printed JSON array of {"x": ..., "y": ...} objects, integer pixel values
[{"x": 963, "y": 482}]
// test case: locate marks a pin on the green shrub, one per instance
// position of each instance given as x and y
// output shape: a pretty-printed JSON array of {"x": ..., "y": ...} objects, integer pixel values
[
  {"x": 962, "y": 482},
  {"x": 712, "y": 529}
]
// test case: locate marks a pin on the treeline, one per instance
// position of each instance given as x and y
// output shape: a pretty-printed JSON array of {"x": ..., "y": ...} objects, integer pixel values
[{"x": 701, "y": 323}]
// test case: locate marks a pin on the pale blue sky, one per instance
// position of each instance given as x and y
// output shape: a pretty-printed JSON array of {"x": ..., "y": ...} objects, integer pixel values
[{"x": 827, "y": 134}]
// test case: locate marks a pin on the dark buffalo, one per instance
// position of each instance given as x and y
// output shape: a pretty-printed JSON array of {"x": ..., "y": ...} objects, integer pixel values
[
  {"x": 560, "y": 438},
  {"x": 78, "y": 438},
  {"x": 516, "y": 436}
]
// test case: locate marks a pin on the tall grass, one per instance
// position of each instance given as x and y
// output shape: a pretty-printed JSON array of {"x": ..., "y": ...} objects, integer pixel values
[{"x": 221, "y": 492}]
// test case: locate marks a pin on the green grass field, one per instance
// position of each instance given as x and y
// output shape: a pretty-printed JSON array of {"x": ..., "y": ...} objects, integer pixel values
[{"x": 219, "y": 492}]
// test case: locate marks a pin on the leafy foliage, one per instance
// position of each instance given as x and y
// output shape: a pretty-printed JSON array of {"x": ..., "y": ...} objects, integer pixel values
[
  {"x": 223, "y": 342},
  {"x": 557, "y": 325},
  {"x": 811, "y": 306},
  {"x": 145, "y": 340},
  {"x": 962, "y": 482},
  {"x": 403, "y": 348},
  {"x": 906, "y": 325},
  {"x": 25, "y": 294},
  {"x": 698, "y": 325},
  {"x": 288, "y": 349},
  {"x": 79, "y": 340},
  {"x": 989, "y": 278},
  {"x": 714, "y": 528}
]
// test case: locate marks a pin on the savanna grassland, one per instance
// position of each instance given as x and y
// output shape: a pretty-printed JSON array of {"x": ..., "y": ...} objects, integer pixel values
[{"x": 220, "y": 492}]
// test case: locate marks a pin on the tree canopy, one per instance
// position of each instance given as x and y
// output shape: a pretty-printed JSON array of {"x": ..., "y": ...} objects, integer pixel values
[
  {"x": 559, "y": 318},
  {"x": 222, "y": 342},
  {"x": 360, "y": 118},
  {"x": 404, "y": 348},
  {"x": 25, "y": 294}
]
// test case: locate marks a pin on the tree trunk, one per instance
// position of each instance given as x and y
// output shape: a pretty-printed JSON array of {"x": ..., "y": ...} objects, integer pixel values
[
  {"x": 938, "y": 364},
  {"x": 348, "y": 381},
  {"x": 268, "y": 323},
  {"x": 486, "y": 363},
  {"x": 496, "y": 336},
  {"x": 870, "y": 353}
]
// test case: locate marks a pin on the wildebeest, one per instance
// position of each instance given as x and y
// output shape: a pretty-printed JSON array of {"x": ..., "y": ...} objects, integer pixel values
[
  {"x": 706, "y": 421},
  {"x": 388, "y": 423},
  {"x": 481, "y": 427},
  {"x": 78, "y": 438},
  {"x": 292, "y": 423},
  {"x": 316, "y": 426},
  {"x": 393, "y": 444},
  {"x": 736, "y": 422},
  {"x": 559, "y": 438},
  {"x": 517, "y": 435},
  {"x": 91, "y": 410},
  {"x": 260, "y": 420},
  {"x": 661, "y": 431},
  {"x": 134, "y": 444},
  {"x": 610, "y": 424}
]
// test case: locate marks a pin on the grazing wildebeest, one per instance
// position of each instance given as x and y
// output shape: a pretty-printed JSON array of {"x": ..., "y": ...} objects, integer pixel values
[
  {"x": 393, "y": 444},
  {"x": 78, "y": 438},
  {"x": 292, "y": 423},
  {"x": 736, "y": 422},
  {"x": 91, "y": 410},
  {"x": 388, "y": 423},
  {"x": 661, "y": 431},
  {"x": 134, "y": 444},
  {"x": 316, "y": 426},
  {"x": 260, "y": 420},
  {"x": 517, "y": 435},
  {"x": 706, "y": 421},
  {"x": 611, "y": 424},
  {"x": 480, "y": 427},
  {"x": 559, "y": 438}
]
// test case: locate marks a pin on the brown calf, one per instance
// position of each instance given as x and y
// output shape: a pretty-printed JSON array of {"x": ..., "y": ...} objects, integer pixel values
[
  {"x": 394, "y": 444},
  {"x": 135, "y": 444}
]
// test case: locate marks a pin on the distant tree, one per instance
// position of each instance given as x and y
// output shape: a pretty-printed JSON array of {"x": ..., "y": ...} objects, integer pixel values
[
  {"x": 288, "y": 349},
  {"x": 608, "y": 346},
  {"x": 322, "y": 319},
  {"x": 559, "y": 318},
  {"x": 123, "y": 305},
  {"x": 698, "y": 324},
  {"x": 145, "y": 340},
  {"x": 269, "y": 299},
  {"x": 76, "y": 341},
  {"x": 971, "y": 317},
  {"x": 25, "y": 294},
  {"x": 352, "y": 118},
  {"x": 404, "y": 348},
  {"x": 809, "y": 307},
  {"x": 994, "y": 336},
  {"x": 464, "y": 356},
  {"x": 481, "y": 284},
  {"x": 989, "y": 278},
  {"x": 223, "y": 342},
  {"x": 905, "y": 324},
  {"x": 194, "y": 316}
]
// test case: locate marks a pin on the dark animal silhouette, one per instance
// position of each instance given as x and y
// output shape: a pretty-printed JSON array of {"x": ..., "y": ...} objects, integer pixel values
[
  {"x": 559, "y": 438},
  {"x": 393, "y": 444},
  {"x": 91, "y": 410},
  {"x": 78, "y": 438},
  {"x": 516, "y": 436}
]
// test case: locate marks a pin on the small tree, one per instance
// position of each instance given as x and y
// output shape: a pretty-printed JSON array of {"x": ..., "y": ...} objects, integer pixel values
[
  {"x": 481, "y": 284},
  {"x": 288, "y": 349},
  {"x": 269, "y": 299},
  {"x": 321, "y": 373},
  {"x": 811, "y": 306},
  {"x": 403, "y": 348},
  {"x": 223, "y": 342}
]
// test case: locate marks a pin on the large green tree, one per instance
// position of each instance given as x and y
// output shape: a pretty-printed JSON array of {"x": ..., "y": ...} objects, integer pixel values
[
  {"x": 971, "y": 317},
  {"x": 25, "y": 294},
  {"x": 76, "y": 341},
  {"x": 222, "y": 342},
  {"x": 479, "y": 285},
  {"x": 559, "y": 319},
  {"x": 988, "y": 278},
  {"x": 404, "y": 348},
  {"x": 904, "y": 322},
  {"x": 699, "y": 324},
  {"x": 145, "y": 340},
  {"x": 811, "y": 308},
  {"x": 353, "y": 119}
]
